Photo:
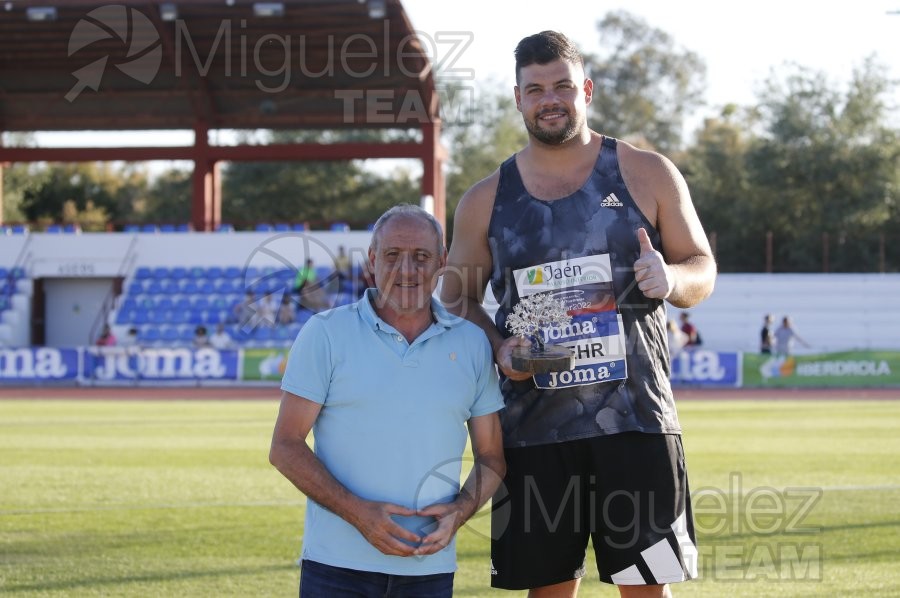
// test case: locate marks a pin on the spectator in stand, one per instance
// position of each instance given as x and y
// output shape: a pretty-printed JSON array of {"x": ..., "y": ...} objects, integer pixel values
[
  {"x": 106, "y": 338},
  {"x": 130, "y": 339},
  {"x": 201, "y": 339},
  {"x": 266, "y": 310},
  {"x": 286, "y": 313},
  {"x": 785, "y": 336},
  {"x": 342, "y": 265},
  {"x": 766, "y": 339},
  {"x": 245, "y": 310},
  {"x": 306, "y": 276},
  {"x": 310, "y": 294},
  {"x": 690, "y": 331},
  {"x": 677, "y": 338},
  {"x": 365, "y": 280},
  {"x": 220, "y": 339}
]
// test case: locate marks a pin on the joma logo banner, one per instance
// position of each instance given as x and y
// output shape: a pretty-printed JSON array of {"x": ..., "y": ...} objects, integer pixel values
[
  {"x": 107, "y": 364},
  {"x": 31, "y": 364}
]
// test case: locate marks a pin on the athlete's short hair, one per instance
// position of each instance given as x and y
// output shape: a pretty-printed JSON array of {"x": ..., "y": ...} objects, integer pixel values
[{"x": 545, "y": 47}]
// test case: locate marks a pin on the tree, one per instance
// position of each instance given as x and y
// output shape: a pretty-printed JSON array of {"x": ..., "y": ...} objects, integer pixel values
[
  {"x": 111, "y": 189},
  {"x": 313, "y": 191},
  {"x": 814, "y": 165},
  {"x": 478, "y": 148},
  {"x": 644, "y": 85}
]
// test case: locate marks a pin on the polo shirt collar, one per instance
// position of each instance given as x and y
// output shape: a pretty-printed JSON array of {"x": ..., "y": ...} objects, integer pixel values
[{"x": 367, "y": 312}]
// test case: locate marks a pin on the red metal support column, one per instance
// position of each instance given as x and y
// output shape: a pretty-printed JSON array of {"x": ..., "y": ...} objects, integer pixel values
[
  {"x": 1, "y": 181},
  {"x": 432, "y": 173},
  {"x": 202, "y": 200}
]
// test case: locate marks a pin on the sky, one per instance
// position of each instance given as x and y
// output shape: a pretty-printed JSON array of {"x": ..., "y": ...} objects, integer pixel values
[{"x": 739, "y": 42}]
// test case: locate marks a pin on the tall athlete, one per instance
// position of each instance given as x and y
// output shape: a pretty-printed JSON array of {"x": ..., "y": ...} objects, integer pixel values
[{"x": 610, "y": 230}]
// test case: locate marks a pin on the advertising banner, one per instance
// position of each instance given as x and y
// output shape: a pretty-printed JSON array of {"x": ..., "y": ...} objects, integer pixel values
[
  {"x": 264, "y": 364},
  {"x": 31, "y": 365},
  {"x": 699, "y": 367},
  {"x": 847, "y": 369},
  {"x": 110, "y": 364}
]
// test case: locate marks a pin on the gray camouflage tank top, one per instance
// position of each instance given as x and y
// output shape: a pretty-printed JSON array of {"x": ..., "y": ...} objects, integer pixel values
[{"x": 581, "y": 249}]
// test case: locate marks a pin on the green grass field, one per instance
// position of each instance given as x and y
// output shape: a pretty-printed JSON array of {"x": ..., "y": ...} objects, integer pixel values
[{"x": 176, "y": 498}]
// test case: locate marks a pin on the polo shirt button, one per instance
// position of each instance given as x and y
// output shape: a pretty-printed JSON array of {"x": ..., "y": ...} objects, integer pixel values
[{"x": 399, "y": 338}]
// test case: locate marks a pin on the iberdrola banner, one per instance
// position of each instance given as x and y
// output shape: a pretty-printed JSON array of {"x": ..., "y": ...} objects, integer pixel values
[{"x": 850, "y": 368}]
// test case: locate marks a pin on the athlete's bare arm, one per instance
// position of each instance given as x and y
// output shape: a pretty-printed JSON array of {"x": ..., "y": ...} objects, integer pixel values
[
  {"x": 469, "y": 266},
  {"x": 683, "y": 270}
]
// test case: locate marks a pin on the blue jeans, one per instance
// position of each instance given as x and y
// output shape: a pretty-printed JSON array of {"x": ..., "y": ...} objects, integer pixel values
[{"x": 325, "y": 581}]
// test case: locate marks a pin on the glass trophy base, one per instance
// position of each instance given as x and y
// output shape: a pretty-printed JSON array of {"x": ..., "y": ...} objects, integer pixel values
[{"x": 553, "y": 358}]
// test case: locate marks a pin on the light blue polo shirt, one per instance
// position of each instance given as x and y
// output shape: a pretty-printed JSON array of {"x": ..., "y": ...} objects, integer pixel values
[{"x": 393, "y": 423}]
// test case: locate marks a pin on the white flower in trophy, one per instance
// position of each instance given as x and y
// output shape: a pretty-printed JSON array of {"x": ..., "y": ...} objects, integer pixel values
[{"x": 535, "y": 312}]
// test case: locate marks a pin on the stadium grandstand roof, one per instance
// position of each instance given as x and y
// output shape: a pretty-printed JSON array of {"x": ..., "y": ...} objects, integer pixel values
[{"x": 217, "y": 64}]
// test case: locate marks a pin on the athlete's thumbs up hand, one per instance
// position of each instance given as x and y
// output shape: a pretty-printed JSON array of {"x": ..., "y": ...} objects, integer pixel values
[{"x": 653, "y": 275}]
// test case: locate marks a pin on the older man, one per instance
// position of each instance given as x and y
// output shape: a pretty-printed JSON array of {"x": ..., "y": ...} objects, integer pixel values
[{"x": 387, "y": 384}]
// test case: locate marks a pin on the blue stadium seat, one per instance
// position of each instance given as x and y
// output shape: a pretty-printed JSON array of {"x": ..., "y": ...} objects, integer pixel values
[
  {"x": 225, "y": 228},
  {"x": 20, "y": 229},
  {"x": 149, "y": 228},
  {"x": 72, "y": 229},
  {"x": 178, "y": 273},
  {"x": 4, "y": 273},
  {"x": 197, "y": 272},
  {"x": 159, "y": 316},
  {"x": 232, "y": 272},
  {"x": 4, "y": 303},
  {"x": 154, "y": 287},
  {"x": 128, "y": 304},
  {"x": 171, "y": 287},
  {"x": 229, "y": 286},
  {"x": 183, "y": 228},
  {"x": 196, "y": 316},
  {"x": 215, "y": 272},
  {"x": 340, "y": 227},
  {"x": 148, "y": 334},
  {"x": 140, "y": 316},
  {"x": 182, "y": 304},
  {"x": 263, "y": 227},
  {"x": 54, "y": 229},
  {"x": 180, "y": 316},
  {"x": 145, "y": 301},
  {"x": 136, "y": 287},
  {"x": 143, "y": 272},
  {"x": 167, "y": 228},
  {"x": 283, "y": 333},
  {"x": 125, "y": 316},
  {"x": 201, "y": 302},
  {"x": 131, "y": 228},
  {"x": 190, "y": 287},
  {"x": 161, "y": 272},
  {"x": 208, "y": 287},
  {"x": 17, "y": 273},
  {"x": 164, "y": 303},
  {"x": 300, "y": 226},
  {"x": 282, "y": 227},
  {"x": 170, "y": 334}
]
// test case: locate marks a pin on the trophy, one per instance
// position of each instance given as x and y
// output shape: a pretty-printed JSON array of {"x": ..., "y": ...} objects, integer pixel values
[{"x": 530, "y": 315}]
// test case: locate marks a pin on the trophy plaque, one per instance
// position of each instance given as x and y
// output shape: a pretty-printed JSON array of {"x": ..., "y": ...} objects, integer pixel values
[{"x": 531, "y": 315}]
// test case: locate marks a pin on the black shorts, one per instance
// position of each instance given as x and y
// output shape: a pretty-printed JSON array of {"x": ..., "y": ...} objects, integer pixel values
[{"x": 627, "y": 492}]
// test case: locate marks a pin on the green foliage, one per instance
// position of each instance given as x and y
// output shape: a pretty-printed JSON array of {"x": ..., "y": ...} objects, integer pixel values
[
  {"x": 814, "y": 166},
  {"x": 644, "y": 85},
  {"x": 478, "y": 148}
]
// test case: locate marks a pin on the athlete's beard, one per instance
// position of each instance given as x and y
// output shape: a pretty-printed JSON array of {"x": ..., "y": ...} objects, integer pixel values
[{"x": 573, "y": 125}]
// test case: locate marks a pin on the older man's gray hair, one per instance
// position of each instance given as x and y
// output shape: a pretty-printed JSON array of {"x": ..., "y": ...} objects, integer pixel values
[{"x": 406, "y": 209}]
